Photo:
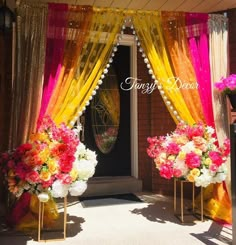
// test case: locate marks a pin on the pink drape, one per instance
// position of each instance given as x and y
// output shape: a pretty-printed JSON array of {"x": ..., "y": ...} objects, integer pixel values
[
  {"x": 197, "y": 33},
  {"x": 56, "y": 37}
]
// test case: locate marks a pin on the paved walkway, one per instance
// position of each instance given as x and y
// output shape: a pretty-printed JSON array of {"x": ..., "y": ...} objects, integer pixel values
[{"x": 113, "y": 222}]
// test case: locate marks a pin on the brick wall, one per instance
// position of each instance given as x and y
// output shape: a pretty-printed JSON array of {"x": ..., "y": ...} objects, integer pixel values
[
  {"x": 153, "y": 119},
  {"x": 144, "y": 126}
]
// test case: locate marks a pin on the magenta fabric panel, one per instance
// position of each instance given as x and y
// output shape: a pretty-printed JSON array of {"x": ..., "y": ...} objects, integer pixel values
[
  {"x": 55, "y": 43},
  {"x": 198, "y": 41}
]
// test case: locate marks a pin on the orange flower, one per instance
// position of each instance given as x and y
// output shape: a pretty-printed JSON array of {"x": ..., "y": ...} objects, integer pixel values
[
  {"x": 200, "y": 143},
  {"x": 180, "y": 139},
  {"x": 43, "y": 137}
]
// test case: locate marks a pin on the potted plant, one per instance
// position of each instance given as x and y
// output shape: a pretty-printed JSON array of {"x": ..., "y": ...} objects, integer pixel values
[{"x": 228, "y": 87}]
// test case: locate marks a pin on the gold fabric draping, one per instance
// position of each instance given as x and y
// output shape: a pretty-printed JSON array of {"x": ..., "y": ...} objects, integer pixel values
[
  {"x": 31, "y": 34},
  {"x": 149, "y": 30},
  {"x": 79, "y": 22},
  {"x": 106, "y": 24},
  {"x": 177, "y": 46}
]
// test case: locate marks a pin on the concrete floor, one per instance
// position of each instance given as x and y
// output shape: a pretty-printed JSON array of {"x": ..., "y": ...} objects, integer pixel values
[{"x": 113, "y": 222}]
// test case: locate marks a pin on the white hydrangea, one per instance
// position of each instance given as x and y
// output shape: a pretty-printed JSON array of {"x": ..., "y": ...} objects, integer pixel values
[
  {"x": 92, "y": 157},
  {"x": 221, "y": 174},
  {"x": 188, "y": 147},
  {"x": 204, "y": 179},
  {"x": 78, "y": 188},
  {"x": 80, "y": 151},
  {"x": 210, "y": 130},
  {"x": 59, "y": 189},
  {"x": 85, "y": 168},
  {"x": 219, "y": 178}
]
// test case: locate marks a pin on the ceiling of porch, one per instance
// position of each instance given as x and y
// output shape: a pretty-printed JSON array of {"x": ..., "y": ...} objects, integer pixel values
[{"x": 206, "y": 6}]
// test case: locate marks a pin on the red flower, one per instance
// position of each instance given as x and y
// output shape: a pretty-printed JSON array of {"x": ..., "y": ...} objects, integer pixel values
[
  {"x": 24, "y": 147},
  {"x": 21, "y": 170},
  {"x": 195, "y": 131},
  {"x": 166, "y": 171},
  {"x": 172, "y": 148},
  {"x": 65, "y": 166},
  {"x": 177, "y": 173},
  {"x": 193, "y": 160},
  {"x": 153, "y": 149},
  {"x": 32, "y": 177},
  {"x": 216, "y": 158},
  {"x": 226, "y": 148},
  {"x": 46, "y": 184}
]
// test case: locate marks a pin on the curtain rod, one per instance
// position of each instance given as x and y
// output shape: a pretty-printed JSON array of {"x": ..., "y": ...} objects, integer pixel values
[
  {"x": 76, "y": 2},
  {"x": 69, "y": 2},
  {"x": 125, "y": 10}
]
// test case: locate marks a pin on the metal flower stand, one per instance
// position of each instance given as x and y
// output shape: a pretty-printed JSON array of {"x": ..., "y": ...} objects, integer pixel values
[
  {"x": 41, "y": 221},
  {"x": 181, "y": 215}
]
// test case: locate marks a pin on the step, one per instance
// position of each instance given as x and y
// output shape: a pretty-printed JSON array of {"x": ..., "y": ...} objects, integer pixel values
[{"x": 113, "y": 185}]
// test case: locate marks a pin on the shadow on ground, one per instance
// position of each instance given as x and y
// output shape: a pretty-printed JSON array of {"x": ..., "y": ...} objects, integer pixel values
[
  {"x": 162, "y": 211},
  {"x": 73, "y": 227},
  {"x": 215, "y": 233}
]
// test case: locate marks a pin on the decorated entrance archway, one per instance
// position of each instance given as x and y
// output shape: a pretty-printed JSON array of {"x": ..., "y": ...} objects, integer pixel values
[{"x": 87, "y": 38}]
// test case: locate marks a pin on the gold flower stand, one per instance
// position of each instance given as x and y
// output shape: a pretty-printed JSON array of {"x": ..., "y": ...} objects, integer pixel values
[
  {"x": 41, "y": 221},
  {"x": 181, "y": 215}
]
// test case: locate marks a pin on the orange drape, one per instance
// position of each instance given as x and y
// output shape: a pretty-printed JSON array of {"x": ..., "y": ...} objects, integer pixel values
[{"x": 176, "y": 41}]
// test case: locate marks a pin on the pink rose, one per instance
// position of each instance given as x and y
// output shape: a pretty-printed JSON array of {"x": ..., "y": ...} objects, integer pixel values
[
  {"x": 213, "y": 167},
  {"x": 216, "y": 158},
  {"x": 32, "y": 176},
  {"x": 65, "y": 178},
  {"x": 173, "y": 148},
  {"x": 46, "y": 184},
  {"x": 193, "y": 160},
  {"x": 166, "y": 171},
  {"x": 195, "y": 131},
  {"x": 226, "y": 148},
  {"x": 177, "y": 173}
]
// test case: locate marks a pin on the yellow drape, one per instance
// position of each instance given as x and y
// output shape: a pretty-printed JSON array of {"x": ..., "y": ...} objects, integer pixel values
[
  {"x": 106, "y": 24},
  {"x": 79, "y": 21},
  {"x": 176, "y": 41},
  {"x": 30, "y": 220},
  {"x": 150, "y": 33}
]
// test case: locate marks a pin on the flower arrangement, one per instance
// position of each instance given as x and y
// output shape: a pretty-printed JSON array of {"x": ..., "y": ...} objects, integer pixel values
[
  {"x": 227, "y": 85},
  {"x": 53, "y": 160},
  {"x": 190, "y": 153}
]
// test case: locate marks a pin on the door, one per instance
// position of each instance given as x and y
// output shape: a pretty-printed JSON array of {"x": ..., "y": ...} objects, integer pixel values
[{"x": 107, "y": 120}]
